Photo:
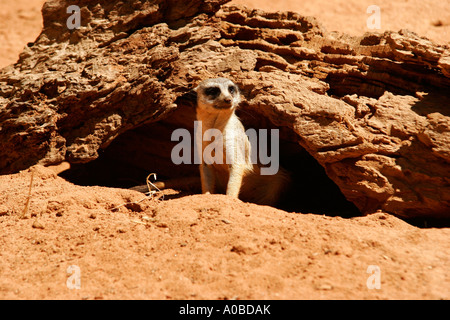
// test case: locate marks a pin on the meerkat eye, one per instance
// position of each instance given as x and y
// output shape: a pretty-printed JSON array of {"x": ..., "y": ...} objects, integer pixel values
[
  {"x": 231, "y": 89},
  {"x": 212, "y": 91}
]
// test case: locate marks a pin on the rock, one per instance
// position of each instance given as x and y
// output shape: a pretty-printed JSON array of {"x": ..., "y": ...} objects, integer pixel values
[
  {"x": 324, "y": 287},
  {"x": 37, "y": 224},
  {"x": 4, "y": 210},
  {"x": 371, "y": 110},
  {"x": 243, "y": 249}
]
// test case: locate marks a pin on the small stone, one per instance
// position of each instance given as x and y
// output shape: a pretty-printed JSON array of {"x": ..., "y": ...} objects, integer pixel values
[
  {"x": 243, "y": 249},
  {"x": 324, "y": 287},
  {"x": 162, "y": 225},
  {"x": 37, "y": 225},
  {"x": 4, "y": 210}
]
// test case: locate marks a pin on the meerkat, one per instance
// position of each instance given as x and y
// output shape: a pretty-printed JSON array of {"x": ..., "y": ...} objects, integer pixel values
[{"x": 217, "y": 100}]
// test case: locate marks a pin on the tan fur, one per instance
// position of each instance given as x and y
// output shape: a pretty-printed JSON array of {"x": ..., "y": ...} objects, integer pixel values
[{"x": 240, "y": 178}]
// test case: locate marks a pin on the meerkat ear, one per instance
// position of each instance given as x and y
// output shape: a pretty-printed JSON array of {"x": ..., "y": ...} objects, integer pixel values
[
  {"x": 193, "y": 94},
  {"x": 189, "y": 98}
]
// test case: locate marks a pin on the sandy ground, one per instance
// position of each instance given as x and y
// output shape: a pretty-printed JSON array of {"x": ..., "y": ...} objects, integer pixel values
[
  {"x": 203, "y": 247},
  {"x": 20, "y": 23},
  {"x": 121, "y": 245}
]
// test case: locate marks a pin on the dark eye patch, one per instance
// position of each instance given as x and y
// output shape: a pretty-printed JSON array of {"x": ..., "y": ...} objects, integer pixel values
[
  {"x": 232, "y": 89},
  {"x": 212, "y": 91}
]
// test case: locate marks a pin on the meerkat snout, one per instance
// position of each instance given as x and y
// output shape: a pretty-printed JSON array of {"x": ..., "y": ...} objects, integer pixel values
[{"x": 217, "y": 94}]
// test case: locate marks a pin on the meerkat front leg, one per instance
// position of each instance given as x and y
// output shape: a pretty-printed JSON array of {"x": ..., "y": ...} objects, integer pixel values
[
  {"x": 235, "y": 180},
  {"x": 207, "y": 179}
]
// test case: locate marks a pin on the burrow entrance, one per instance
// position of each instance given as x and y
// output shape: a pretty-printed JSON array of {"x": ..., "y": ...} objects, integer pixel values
[{"x": 132, "y": 156}]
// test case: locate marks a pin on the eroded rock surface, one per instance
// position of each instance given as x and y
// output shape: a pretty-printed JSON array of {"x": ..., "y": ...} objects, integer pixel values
[{"x": 372, "y": 110}]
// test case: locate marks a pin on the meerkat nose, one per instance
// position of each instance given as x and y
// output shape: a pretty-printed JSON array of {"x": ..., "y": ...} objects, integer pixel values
[{"x": 227, "y": 100}]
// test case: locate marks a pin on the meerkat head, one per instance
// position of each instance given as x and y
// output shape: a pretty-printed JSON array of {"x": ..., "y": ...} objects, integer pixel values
[{"x": 216, "y": 95}]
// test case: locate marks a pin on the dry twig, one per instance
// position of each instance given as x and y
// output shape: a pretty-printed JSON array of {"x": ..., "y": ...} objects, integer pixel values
[
  {"x": 27, "y": 205},
  {"x": 149, "y": 194}
]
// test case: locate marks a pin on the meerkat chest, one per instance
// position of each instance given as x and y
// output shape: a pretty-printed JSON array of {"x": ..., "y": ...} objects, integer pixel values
[
  {"x": 214, "y": 147},
  {"x": 228, "y": 148}
]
